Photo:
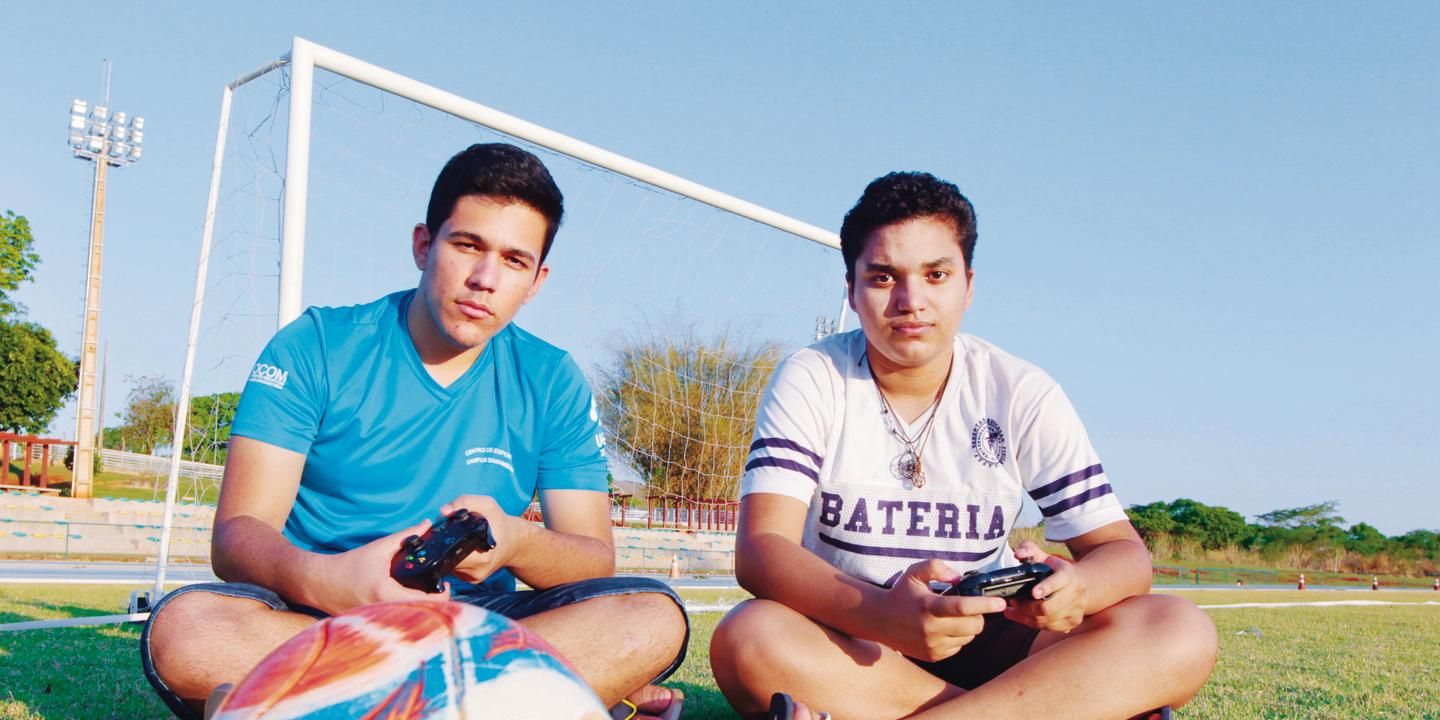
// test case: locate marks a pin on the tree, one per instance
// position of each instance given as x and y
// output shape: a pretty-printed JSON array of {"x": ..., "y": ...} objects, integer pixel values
[
  {"x": 207, "y": 434},
  {"x": 1152, "y": 520},
  {"x": 1418, "y": 544},
  {"x": 1316, "y": 528},
  {"x": 148, "y": 419},
  {"x": 680, "y": 410},
  {"x": 1319, "y": 515},
  {"x": 1214, "y": 527},
  {"x": 35, "y": 378},
  {"x": 1362, "y": 539},
  {"x": 17, "y": 259}
]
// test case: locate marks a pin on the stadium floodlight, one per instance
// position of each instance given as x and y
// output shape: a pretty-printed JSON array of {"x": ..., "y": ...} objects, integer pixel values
[{"x": 107, "y": 140}]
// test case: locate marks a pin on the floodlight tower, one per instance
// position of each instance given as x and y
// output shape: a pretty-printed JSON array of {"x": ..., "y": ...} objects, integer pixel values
[{"x": 108, "y": 140}]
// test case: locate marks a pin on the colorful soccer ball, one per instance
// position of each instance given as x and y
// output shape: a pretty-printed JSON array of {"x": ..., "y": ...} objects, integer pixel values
[{"x": 413, "y": 661}]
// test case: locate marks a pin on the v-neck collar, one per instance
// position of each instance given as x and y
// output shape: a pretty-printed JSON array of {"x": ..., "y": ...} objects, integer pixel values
[
  {"x": 952, "y": 387},
  {"x": 412, "y": 356}
]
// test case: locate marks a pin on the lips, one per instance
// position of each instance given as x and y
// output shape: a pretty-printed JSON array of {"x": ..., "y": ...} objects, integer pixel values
[
  {"x": 911, "y": 329},
  {"x": 474, "y": 310}
]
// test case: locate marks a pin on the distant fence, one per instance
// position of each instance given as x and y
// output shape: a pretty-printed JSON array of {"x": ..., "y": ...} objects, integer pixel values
[
  {"x": 1193, "y": 575},
  {"x": 137, "y": 464}
]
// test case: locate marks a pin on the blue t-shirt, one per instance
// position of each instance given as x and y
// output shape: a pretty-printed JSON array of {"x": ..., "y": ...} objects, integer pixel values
[{"x": 385, "y": 445}]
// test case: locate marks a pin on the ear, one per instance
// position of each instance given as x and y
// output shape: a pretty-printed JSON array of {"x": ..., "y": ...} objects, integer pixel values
[
  {"x": 850, "y": 294},
  {"x": 969, "y": 287},
  {"x": 420, "y": 245},
  {"x": 535, "y": 284}
]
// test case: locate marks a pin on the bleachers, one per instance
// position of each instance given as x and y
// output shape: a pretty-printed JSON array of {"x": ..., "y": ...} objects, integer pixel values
[{"x": 31, "y": 523}]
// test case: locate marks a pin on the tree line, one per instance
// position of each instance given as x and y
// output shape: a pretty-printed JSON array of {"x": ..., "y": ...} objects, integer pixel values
[
  {"x": 1312, "y": 537},
  {"x": 147, "y": 421}
]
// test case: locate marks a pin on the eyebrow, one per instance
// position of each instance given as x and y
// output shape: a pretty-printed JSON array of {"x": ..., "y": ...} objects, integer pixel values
[
  {"x": 931, "y": 265},
  {"x": 509, "y": 250}
]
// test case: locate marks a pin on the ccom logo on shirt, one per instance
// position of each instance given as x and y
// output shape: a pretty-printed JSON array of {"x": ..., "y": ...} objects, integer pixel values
[{"x": 267, "y": 374}]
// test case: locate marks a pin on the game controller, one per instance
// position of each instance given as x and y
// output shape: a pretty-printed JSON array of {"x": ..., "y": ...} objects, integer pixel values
[
  {"x": 425, "y": 560},
  {"x": 1003, "y": 583}
]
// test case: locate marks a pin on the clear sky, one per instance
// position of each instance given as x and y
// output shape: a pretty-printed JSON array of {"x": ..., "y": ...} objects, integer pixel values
[{"x": 1214, "y": 224}]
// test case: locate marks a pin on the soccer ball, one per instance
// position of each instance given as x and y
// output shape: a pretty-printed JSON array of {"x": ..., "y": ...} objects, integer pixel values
[{"x": 413, "y": 661}]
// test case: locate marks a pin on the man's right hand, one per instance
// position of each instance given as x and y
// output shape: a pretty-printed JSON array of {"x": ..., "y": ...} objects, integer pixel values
[
  {"x": 362, "y": 576},
  {"x": 927, "y": 626}
]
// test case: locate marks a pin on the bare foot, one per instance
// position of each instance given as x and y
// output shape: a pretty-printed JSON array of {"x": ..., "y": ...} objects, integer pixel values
[{"x": 652, "y": 702}]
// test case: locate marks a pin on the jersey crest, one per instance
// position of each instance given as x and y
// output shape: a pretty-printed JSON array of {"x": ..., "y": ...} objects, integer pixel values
[{"x": 987, "y": 441}]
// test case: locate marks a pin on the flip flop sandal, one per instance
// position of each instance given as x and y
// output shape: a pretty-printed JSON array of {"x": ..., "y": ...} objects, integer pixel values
[
  {"x": 626, "y": 710},
  {"x": 1161, "y": 713},
  {"x": 782, "y": 707}
]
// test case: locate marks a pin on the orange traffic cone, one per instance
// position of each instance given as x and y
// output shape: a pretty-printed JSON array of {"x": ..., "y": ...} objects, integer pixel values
[
  {"x": 1301, "y": 585},
  {"x": 674, "y": 566},
  {"x": 1374, "y": 582}
]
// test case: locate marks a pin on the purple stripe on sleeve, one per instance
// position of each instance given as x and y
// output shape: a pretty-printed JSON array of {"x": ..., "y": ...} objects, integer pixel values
[
  {"x": 1067, "y": 481},
  {"x": 1076, "y": 500},
  {"x": 783, "y": 443},
  {"x": 801, "y": 468},
  {"x": 906, "y": 552}
]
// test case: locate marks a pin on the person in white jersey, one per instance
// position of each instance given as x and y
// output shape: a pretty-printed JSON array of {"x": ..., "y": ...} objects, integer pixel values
[{"x": 896, "y": 456}]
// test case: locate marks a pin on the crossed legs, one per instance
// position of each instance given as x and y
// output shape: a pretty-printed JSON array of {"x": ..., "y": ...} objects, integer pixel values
[
  {"x": 200, "y": 640},
  {"x": 1143, "y": 652}
]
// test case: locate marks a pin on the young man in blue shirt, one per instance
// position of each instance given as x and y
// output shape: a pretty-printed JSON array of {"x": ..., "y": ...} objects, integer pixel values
[{"x": 360, "y": 424}]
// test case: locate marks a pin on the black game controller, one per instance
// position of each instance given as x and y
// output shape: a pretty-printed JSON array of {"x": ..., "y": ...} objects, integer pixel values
[
  {"x": 425, "y": 560},
  {"x": 1003, "y": 583}
]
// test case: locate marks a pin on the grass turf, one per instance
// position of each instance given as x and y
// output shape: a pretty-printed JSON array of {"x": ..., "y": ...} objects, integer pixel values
[{"x": 1336, "y": 662}]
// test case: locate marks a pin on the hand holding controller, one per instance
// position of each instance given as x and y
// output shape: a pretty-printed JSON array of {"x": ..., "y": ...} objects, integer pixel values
[
  {"x": 1005, "y": 583},
  {"x": 425, "y": 560}
]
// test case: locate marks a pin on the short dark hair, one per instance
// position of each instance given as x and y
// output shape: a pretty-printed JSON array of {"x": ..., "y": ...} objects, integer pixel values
[
  {"x": 501, "y": 172},
  {"x": 902, "y": 196}
]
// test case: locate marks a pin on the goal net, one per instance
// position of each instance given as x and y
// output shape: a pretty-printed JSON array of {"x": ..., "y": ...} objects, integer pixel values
[{"x": 675, "y": 300}]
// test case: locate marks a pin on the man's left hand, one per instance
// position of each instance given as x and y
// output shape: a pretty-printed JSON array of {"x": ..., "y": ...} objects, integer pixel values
[
  {"x": 1056, "y": 603},
  {"x": 507, "y": 529}
]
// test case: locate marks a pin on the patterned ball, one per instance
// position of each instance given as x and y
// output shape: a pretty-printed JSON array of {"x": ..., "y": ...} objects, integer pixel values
[{"x": 413, "y": 660}]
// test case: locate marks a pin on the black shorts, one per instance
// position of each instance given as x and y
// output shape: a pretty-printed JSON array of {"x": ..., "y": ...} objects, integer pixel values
[
  {"x": 1000, "y": 646},
  {"x": 513, "y": 605}
]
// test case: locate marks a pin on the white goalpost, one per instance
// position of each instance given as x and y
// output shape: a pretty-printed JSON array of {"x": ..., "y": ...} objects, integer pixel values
[{"x": 637, "y": 210}]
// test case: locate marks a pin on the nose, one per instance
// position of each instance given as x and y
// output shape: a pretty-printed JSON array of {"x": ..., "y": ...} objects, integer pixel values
[
  {"x": 906, "y": 297},
  {"x": 485, "y": 273}
]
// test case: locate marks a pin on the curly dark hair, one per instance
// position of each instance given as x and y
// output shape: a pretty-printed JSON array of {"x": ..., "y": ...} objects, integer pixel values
[
  {"x": 902, "y": 196},
  {"x": 502, "y": 172}
]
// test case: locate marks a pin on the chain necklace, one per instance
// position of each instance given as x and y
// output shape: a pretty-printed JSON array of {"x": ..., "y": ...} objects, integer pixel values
[{"x": 907, "y": 466}]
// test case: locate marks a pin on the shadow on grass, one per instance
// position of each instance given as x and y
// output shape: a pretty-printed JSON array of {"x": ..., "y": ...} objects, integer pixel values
[{"x": 41, "y": 607}]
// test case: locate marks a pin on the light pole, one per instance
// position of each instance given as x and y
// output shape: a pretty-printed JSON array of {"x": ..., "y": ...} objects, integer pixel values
[{"x": 108, "y": 141}]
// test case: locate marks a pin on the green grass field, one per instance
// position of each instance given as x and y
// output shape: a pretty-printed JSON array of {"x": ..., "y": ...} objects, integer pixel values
[{"x": 1305, "y": 662}]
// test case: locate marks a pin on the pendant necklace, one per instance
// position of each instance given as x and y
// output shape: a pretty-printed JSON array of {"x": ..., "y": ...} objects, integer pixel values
[{"x": 907, "y": 466}]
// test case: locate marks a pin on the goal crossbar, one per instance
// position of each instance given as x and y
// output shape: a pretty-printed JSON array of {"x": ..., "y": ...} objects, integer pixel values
[{"x": 303, "y": 58}]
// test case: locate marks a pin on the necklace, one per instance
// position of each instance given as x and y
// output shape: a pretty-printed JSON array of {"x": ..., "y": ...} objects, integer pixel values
[{"x": 907, "y": 466}]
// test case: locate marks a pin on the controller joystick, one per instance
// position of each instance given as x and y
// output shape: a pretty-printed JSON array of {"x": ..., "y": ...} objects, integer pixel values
[{"x": 424, "y": 560}]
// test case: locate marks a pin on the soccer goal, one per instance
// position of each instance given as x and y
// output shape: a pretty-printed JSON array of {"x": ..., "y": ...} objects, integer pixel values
[{"x": 676, "y": 299}]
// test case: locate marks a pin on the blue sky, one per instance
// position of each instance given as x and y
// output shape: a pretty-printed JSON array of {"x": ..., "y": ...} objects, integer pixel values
[{"x": 1214, "y": 225}]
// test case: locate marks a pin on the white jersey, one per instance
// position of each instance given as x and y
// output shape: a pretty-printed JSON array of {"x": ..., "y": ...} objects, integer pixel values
[{"x": 1002, "y": 427}]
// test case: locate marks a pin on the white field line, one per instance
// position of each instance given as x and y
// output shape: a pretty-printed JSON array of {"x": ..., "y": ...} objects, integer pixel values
[
  {"x": 726, "y": 607},
  {"x": 1320, "y": 603},
  {"x": 99, "y": 581},
  {"x": 75, "y": 622}
]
